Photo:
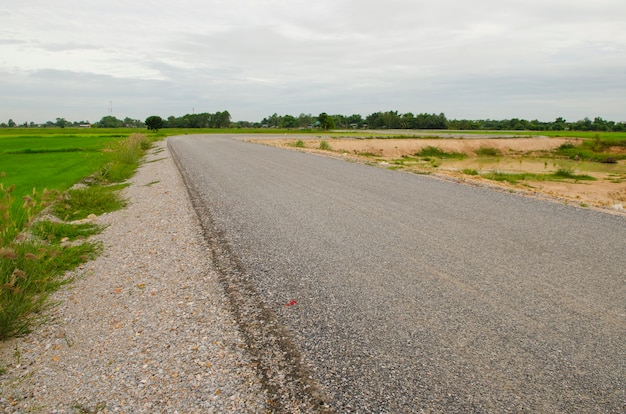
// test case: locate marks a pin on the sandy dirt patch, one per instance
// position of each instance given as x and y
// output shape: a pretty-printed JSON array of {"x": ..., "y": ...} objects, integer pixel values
[{"x": 515, "y": 155}]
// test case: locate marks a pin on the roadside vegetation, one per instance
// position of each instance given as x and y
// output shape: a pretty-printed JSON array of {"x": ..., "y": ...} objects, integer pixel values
[
  {"x": 577, "y": 158},
  {"x": 56, "y": 179}
]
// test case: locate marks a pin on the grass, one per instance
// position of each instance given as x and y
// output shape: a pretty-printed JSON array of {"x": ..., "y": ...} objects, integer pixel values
[
  {"x": 57, "y": 232},
  {"x": 35, "y": 255},
  {"x": 436, "y": 152},
  {"x": 515, "y": 178},
  {"x": 80, "y": 203},
  {"x": 488, "y": 152},
  {"x": 324, "y": 145},
  {"x": 298, "y": 144},
  {"x": 597, "y": 149},
  {"x": 29, "y": 272},
  {"x": 470, "y": 171},
  {"x": 563, "y": 173}
]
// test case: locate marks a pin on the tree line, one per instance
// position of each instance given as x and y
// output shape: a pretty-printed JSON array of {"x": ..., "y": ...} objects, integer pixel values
[
  {"x": 396, "y": 120},
  {"x": 376, "y": 120}
]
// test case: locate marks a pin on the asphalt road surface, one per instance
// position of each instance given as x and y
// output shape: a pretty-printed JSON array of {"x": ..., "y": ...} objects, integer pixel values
[{"x": 360, "y": 289}]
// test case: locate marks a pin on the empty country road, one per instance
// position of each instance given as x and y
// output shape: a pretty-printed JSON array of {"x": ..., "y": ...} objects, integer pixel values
[{"x": 360, "y": 289}]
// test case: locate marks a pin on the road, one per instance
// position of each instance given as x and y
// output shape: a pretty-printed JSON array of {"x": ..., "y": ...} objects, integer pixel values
[{"x": 363, "y": 289}]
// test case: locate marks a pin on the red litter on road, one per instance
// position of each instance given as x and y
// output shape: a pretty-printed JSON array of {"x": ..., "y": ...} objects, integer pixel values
[{"x": 293, "y": 302}]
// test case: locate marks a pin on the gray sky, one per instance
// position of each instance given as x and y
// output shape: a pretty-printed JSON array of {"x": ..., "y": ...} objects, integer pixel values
[{"x": 532, "y": 59}]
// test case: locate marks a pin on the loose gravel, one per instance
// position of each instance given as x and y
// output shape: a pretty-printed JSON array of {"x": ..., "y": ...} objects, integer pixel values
[{"x": 144, "y": 328}]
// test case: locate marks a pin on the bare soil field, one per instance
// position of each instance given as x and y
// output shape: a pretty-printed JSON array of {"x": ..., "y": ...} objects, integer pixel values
[{"x": 504, "y": 155}]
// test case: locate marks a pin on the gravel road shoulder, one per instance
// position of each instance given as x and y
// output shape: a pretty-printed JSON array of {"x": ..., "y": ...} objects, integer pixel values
[{"x": 144, "y": 328}]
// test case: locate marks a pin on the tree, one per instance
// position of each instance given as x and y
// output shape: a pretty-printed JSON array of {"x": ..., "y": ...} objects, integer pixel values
[
  {"x": 154, "y": 123},
  {"x": 287, "y": 121},
  {"x": 12, "y": 123},
  {"x": 326, "y": 121},
  {"x": 61, "y": 122},
  {"x": 110, "y": 122},
  {"x": 130, "y": 123},
  {"x": 222, "y": 119}
]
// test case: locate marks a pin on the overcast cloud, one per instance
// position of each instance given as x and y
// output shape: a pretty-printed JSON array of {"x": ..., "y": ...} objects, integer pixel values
[{"x": 532, "y": 59}]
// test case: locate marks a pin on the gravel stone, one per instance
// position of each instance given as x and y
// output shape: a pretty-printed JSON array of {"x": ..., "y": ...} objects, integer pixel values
[{"x": 145, "y": 327}]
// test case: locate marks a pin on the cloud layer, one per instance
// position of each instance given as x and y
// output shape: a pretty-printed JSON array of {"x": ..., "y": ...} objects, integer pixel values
[{"x": 481, "y": 59}]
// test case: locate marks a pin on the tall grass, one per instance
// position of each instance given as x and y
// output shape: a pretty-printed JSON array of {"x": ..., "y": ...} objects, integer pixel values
[
  {"x": 35, "y": 256},
  {"x": 125, "y": 156}
]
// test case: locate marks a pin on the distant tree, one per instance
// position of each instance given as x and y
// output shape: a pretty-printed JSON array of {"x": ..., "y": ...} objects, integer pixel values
[
  {"x": 407, "y": 121},
  {"x": 11, "y": 123},
  {"x": 222, "y": 119},
  {"x": 374, "y": 120},
  {"x": 132, "y": 123},
  {"x": 61, "y": 122},
  {"x": 355, "y": 121},
  {"x": 154, "y": 123},
  {"x": 272, "y": 121},
  {"x": 559, "y": 124},
  {"x": 391, "y": 119},
  {"x": 326, "y": 121},
  {"x": 340, "y": 121},
  {"x": 110, "y": 122},
  {"x": 287, "y": 121},
  {"x": 305, "y": 120}
]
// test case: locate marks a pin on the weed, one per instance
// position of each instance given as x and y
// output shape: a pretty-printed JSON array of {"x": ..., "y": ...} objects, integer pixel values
[
  {"x": 18, "y": 355},
  {"x": 29, "y": 272},
  {"x": 568, "y": 174},
  {"x": 81, "y": 202},
  {"x": 298, "y": 144},
  {"x": 592, "y": 150},
  {"x": 469, "y": 171},
  {"x": 488, "y": 152},
  {"x": 566, "y": 146},
  {"x": 55, "y": 232},
  {"x": 125, "y": 156},
  {"x": 500, "y": 176},
  {"x": 515, "y": 178},
  {"x": 324, "y": 145},
  {"x": 438, "y": 153}
]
